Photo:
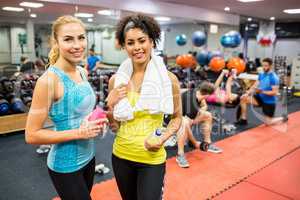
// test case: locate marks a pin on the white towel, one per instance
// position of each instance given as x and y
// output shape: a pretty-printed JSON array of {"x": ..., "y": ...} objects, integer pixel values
[{"x": 156, "y": 92}]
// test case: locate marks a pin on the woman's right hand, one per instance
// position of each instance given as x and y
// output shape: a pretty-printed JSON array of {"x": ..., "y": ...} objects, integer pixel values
[
  {"x": 116, "y": 94},
  {"x": 91, "y": 129}
]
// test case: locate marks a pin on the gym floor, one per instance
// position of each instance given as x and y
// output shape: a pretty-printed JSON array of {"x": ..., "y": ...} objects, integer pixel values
[{"x": 24, "y": 173}]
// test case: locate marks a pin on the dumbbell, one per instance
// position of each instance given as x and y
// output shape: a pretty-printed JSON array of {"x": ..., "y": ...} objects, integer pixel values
[
  {"x": 16, "y": 104},
  {"x": 26, "y": 96},
  {"x": 4, "y": 106},
  {"x": 7, "y": 86},
  {"x": 204, "y": 146}
]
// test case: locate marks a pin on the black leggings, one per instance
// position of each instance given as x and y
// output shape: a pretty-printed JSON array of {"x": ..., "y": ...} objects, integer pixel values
[
  {"x": 138, "y": 181},
  {"x": 76, "y": 185}
]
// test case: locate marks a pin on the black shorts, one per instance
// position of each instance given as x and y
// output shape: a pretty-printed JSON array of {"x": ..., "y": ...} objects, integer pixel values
[{"x": 268, "y": 109}]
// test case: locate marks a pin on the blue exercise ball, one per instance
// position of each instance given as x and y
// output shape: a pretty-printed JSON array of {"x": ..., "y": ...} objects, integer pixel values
[
  {"x": 212, "y": 54},
  {"x": 181, "y": 40},
  {"x": 232, "y": 39},
  {"x": 202, "y": 57},
  {"x": 226, "y": 41},
  {"x": 198, "y": 38}
]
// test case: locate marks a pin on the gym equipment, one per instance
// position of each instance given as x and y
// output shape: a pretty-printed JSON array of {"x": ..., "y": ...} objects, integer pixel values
[
  {"x": 236, "y": 63},
  {"x": 216, "y": 64},
  {"x": 26, "y": 96},
  {"x": 232, "y": 39},
  {"x": 212, "y": 54},
  {"x": 202, "y": 57},
  {"x": 186, "y": 61},
  {"x": 16, "y": 104},
  {"x": 204, "y": 146},
  {"x": 7, "y": 86},
  {"x": 198, "y": 38},
  {"x": 181, "y": 40},
  {"x": 4, "y": 106}
]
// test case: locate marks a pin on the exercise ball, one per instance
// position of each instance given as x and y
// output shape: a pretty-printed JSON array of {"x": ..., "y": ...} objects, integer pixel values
[
  {"x": 198, "y": 38},
  {"x": 216, "y": 64},
  {"x": 181, "y": 40},
  {"x": 186, "y": 61},
  {"x": 226, "y": 41},
  {"x": 236, "y": 63},
  {"x": 232, "y": 39},
  {"x": 212, "y": 54},
  {"x": 202, "y": 57}
]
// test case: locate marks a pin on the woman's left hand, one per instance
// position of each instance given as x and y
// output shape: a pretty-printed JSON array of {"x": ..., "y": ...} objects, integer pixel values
[{"x": 154, "y": 147}]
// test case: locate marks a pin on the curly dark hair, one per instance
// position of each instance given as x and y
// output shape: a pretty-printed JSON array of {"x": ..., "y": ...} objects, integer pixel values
[{"x": 146, "y": 23}]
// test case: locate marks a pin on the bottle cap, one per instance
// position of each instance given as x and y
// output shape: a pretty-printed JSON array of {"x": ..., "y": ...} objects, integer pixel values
[{"x": 158, "y": 132}]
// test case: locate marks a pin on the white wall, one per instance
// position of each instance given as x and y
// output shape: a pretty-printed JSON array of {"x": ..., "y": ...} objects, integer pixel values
[
  {"x": 110, "y": 54},
  {"x": 287, "y": 47},
  {"x": 5, "y": 45},
  {"x": 213, "y": 40},
  {"x": 283, "y": 47}
]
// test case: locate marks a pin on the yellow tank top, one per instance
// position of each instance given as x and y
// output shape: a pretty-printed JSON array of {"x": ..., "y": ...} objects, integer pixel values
[{"x": 129, "y": 141}]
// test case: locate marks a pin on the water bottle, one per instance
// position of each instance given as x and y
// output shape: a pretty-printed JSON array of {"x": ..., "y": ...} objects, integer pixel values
[{"x": 154, "y": 138}]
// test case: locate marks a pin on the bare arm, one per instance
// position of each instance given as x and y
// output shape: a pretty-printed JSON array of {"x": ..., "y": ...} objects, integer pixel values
[
  {"x": 273, "y": 92},
  {"x": 175, "y": 122},
  {"x": 43, "y": 98}
]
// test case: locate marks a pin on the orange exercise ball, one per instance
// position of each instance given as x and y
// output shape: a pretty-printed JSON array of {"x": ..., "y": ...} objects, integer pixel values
[
  {"x": 236, "y": 63},
  {"x": 186, "y": 61},
  {"x": 216, "y": 64}
]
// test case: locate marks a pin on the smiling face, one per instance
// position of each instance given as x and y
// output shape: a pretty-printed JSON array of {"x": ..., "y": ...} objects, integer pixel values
[
  {"x": 71, "y": 42},
  {"x": 138, "y": 46}
]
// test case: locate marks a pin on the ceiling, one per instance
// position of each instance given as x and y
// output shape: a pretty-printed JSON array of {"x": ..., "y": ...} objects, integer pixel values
[
  {"x": 51, "y": 10},
  {"x": 262, "y": 9}
]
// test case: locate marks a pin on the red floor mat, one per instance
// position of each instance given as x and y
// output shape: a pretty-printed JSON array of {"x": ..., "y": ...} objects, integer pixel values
[
  {"x": 282, "y": 177},
  {"x": 247, "y": 191},
  {"x": 210, "y": 174}
]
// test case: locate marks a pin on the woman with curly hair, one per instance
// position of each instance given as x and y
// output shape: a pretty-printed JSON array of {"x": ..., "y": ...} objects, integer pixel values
[{"x": 150, "y": 92}]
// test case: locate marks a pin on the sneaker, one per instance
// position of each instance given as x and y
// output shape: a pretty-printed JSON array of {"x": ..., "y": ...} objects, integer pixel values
[
  {"x": 214, "y": 149},
  {"x": 43, "y": 149},
  {"x": 181, "y": 161},
  {"x": 285, "y": 118},
  {"x": 241, "y": 122}
]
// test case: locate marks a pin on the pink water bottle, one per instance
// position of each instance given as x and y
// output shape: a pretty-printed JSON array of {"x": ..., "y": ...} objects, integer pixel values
[{"x": 98, "y": 113}]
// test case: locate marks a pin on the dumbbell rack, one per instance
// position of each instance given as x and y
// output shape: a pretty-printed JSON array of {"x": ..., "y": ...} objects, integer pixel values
[
  {"x": 16, "y": 122},
  {"x": 280, "y": 66},
  {"x": 295, "y": 74}
]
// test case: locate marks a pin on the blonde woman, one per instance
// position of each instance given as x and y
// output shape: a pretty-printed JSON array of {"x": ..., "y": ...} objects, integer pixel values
[{"x": 64, "y": 95}]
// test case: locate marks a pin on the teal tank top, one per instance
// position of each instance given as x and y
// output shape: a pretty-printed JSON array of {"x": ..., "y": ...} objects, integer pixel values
[{"x": 67, "y": 113}]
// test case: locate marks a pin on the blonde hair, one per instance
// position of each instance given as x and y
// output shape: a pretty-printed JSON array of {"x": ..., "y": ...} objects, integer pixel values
[{"x": 66, "y": 19}]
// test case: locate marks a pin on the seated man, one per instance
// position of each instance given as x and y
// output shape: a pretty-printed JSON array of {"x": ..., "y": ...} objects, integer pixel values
[
  {"x": 194, "y": 113},
  {"x": 262, "y": 93}
]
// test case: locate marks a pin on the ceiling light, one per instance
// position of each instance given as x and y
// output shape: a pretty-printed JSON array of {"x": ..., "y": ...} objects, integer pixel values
[
  {"x": 105, "y": 12},
  {"x": 15, "y": 9},
  {"x": 31, "y": 4},
  {"x": 292, "y": 11},
  {"x": 249, "y": 19},
  {"x": 84, "y": 15},
  {"x": 272, "y": 18},
  {"x": 246, "y": 1},
  {"x": 33, "y": 15},
  {"x": 90, "y": 20},
  {"x": 163, "y": 19},
  {"x": 227, "y": 9}
]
